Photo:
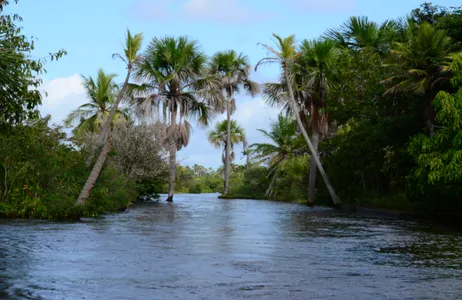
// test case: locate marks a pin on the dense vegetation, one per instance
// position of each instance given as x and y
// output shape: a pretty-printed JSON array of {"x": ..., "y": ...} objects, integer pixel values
[
  {"x": 375, "y": 109},
  {"x": 387, "y": 118}
]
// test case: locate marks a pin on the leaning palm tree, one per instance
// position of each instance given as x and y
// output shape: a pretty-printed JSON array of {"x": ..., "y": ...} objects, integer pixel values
[
  {"x": 90, "y": 116},
  {"x": 221, "y": 137},
  {"x": 418, "y": 65},
  {"x": 174, "y": 87},
  {"x": 316, "y": 64},
  {"x": 132, "y": 47},
  {"x": 233, "y": 70},
  {"x": 284, "y": 144},
  {"x": 285, "y": 55}
]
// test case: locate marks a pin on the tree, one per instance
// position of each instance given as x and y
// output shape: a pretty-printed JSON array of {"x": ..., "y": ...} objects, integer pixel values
[
  {"x": 19, "y": 79},
  {"x": 138, "y": 150},
  {"x": 285, "y": 54},
  {"x": 428, "y": 13},
  {"x": 90, "y": 116},
  {"x": 438, "y": 173},
  {"x": 173, "y": 87},
  {"x": 132, "y": 47},
  {"x": 285, "y": 144},
  {"x": 417, "y": 66},
  {"x": 317, "y": 63},
  {"x": 221, "y": 137},
  {"x": 359, "y": 33},
  {"x": 233, "y": 70}
]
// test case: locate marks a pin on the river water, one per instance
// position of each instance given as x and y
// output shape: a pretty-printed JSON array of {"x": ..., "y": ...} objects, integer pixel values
[{"x": 200, "y": 247}]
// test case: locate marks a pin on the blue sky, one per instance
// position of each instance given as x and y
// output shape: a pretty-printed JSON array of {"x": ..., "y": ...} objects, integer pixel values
[{"x": 91, "y": 31}]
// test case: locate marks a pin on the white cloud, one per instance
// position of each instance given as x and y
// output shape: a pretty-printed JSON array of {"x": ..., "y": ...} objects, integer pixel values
[
  {"x": 197, "y": 10},
  {"x": 64, "y": 95}
]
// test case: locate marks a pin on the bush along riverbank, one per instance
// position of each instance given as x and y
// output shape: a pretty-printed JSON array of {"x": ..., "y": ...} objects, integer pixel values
[{"x": 43, "y": 174}]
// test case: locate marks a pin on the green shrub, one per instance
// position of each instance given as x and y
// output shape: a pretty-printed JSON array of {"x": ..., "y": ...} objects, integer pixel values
[{"x": 42, "y": 175}]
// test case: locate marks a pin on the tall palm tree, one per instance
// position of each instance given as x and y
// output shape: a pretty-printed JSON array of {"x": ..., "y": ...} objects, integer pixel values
[
  {"x": 418, "y": 65},
  {"x": 173, "y": 87},
  {"x": 132, "y": 47},
  {"x": 285, "y": 54},
  {"x": 317, "y": 66},
  {"x": 90, "y": 116},
  {"x": 233, "y": 70},
  {"x": 221, "y": 137},
  {"x": 285, "y": 144}
]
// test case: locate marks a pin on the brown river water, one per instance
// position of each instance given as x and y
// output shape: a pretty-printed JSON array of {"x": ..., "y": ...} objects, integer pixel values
[{"x": 201, "y": 247}]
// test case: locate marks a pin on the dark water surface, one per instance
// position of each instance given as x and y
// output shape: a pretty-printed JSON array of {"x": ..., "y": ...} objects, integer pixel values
[{"x": 201, "y": 247}]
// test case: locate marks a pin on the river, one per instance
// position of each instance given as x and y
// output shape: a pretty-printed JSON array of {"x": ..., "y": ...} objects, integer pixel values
[{"x": 200, "y": 247}]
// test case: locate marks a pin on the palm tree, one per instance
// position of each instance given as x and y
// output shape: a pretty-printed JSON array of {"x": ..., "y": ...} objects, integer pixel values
[
  {"x": 285, "y": 55},
  {"x": 132, "y": 47},
  {"x": 359, "y": 33},
  {"x": 247, "y": 153},
  {"x": 174, "y": 87},
  {"x": 219, "y": 137},
  {"x": 418, "y": 65},
  {"x": 317, "y": 63},
  {"x": 233, "y": 70},
  {"x": 90, "y": 116},
  {"x": 285, "y": 144}
]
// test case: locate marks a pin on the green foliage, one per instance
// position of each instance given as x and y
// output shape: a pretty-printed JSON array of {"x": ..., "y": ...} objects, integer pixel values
[
  {"x": 290, "y": 184},
  {"x": 19, "y": 79},
  {"x": 449, "y": 19},
  {"x": 102, "y": 93},
  {"x": 195, "y": 180},
  {"x": 437, "y": 179},
  {"x": 42, "y": 174},
  {"x": 381, "y": 90},
  {"x": 249, "y": 182}
]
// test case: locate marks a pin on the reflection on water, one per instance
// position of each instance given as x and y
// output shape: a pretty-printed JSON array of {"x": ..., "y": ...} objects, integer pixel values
[{"x": 200, "y": 247}]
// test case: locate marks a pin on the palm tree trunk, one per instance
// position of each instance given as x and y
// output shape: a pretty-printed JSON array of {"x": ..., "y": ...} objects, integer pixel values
[
  {"x": 172, "y": 166},
  {"x": 313, "y": 168},
  {"x": 228, "y": 144},
  {"x": 172, "y": 156},
  {"x": 335, "y": 199},
  {"x": 103, "y": 136},
  {"x": 85, "y": 193},
  {"x": 247, "y": 157}
]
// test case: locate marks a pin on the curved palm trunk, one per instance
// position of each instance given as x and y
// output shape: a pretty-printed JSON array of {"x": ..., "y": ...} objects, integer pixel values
[
  {"x": 85, "y": 193},
  {"x": 103, "y": 136},
  {"x": 335, "y": 199},
  {"x": 172, "y": 165},
  {"x": 228, "y": 144},
  {"x": 107, "y": 123},
  {"x": 313, "y": 168}
]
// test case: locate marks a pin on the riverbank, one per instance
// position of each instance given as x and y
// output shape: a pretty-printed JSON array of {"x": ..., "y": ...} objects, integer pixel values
[
  {"x": 376, "y": 209},
  {"x": 40, "y": 211}
]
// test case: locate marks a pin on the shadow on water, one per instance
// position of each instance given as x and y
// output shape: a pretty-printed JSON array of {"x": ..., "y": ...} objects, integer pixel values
[{"x": 201, "y": 247}]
